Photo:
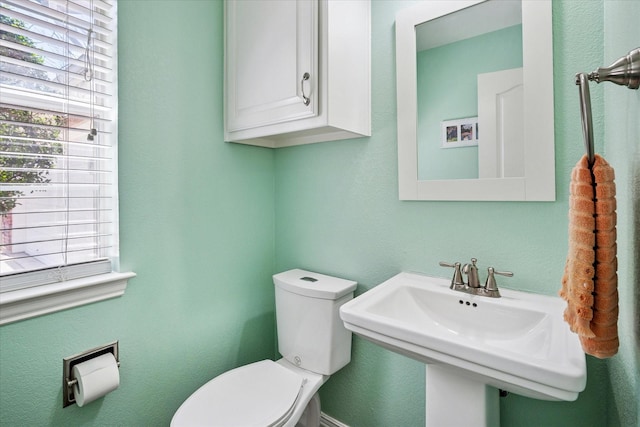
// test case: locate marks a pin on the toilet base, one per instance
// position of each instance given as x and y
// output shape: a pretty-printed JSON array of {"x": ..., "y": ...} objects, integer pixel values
[
  {"x": 311, "y": 415},
  {"x": 307, "y": 412}
]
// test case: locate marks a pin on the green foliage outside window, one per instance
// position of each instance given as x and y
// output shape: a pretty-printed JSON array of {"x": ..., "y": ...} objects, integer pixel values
[{"x": 28, "y": 135}]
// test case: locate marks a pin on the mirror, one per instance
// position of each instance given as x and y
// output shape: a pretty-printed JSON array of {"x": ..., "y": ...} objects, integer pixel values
[{"x": 474, "y": 128}]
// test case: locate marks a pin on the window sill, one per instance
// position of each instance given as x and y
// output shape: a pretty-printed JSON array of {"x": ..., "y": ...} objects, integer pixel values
[{"x": 38, "y": 300}]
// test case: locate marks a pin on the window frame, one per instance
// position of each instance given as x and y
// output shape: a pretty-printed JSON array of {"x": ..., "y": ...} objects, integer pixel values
[{"x": 29, "y": 296}]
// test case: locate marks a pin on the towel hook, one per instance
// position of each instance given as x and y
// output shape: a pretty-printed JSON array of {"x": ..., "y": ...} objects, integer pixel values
[{"x": 625, "y": 72}]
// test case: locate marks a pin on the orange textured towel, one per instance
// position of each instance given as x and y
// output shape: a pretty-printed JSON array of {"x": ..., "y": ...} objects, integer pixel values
[{"x": 590, "y": 281}]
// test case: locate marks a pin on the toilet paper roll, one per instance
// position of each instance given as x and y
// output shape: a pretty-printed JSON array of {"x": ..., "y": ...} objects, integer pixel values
[{"x": 96, "y": 377}]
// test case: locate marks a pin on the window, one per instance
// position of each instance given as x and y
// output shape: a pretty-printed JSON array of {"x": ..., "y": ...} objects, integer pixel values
[{"x": 58, "y": 176}]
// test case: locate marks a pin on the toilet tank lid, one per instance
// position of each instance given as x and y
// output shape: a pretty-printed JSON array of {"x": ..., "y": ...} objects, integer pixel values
[{"x": 314, "y": 285}]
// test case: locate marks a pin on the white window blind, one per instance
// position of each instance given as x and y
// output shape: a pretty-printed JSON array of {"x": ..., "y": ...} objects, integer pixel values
[{"x": 58, "y": 195}]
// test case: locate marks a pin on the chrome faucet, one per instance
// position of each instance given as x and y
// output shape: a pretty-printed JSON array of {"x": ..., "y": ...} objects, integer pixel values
[
  {"x": 471, "y": 270},
  {"x": 472, "y": 286}
]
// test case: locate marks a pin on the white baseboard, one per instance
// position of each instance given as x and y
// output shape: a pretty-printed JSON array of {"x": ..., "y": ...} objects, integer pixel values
[{"x": 327, "y": 421}]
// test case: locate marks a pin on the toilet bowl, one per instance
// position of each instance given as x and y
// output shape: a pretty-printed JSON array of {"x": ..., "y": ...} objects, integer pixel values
[
  {"x": 261, "y": 394},
  {"x": 314, "y": 344}
]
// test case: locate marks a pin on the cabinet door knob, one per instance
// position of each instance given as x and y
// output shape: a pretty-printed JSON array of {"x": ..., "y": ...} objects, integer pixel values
[{"x": 305, "y": 99}]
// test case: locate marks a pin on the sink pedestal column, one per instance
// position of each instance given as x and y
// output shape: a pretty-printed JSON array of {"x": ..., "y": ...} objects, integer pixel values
[{"x": 454, "y": 400}]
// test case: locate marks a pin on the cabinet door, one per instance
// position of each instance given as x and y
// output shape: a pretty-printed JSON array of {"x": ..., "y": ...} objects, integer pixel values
[{"x": 270, "y": 46}]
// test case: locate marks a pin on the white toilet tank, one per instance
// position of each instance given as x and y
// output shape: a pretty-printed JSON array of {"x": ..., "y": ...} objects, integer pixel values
[{"x": 310, "y": 332}]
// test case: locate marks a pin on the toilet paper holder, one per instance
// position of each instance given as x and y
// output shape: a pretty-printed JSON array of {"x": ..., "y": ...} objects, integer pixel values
[{"x": 68, "y": 397}]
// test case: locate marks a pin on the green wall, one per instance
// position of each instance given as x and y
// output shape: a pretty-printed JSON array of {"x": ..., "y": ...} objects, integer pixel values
[
  {"x": 622, "y": 148},
  {"x": 337, "y": 212},
  {"x": 204, "y": 224},
  {"x": 196, "y": 225}
]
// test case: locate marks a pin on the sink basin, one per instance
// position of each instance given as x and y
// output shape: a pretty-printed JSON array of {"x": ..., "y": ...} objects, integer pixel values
[{"x": 519, "y": 343}]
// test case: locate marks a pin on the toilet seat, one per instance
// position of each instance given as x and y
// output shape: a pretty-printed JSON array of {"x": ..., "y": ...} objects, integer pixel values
[{"x": 261, "y": 394}]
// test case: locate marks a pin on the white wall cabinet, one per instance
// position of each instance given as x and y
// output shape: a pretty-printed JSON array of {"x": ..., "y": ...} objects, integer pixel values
[{"x": 297, "y": 72}]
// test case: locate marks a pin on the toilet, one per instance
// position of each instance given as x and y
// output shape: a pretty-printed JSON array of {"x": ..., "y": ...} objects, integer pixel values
[{"x": 313, "y": 343}]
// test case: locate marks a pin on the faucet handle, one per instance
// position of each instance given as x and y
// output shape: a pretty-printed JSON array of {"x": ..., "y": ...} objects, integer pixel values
[
  {"x": 457, "y": 280},
  {"x": 491, "y": 286}
]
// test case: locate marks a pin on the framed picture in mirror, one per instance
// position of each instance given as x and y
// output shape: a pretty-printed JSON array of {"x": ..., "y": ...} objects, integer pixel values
[{"x": 459, "y": 133}]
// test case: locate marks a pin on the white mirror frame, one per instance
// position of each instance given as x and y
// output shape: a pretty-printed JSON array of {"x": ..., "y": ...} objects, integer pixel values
[{"x": 538, "y": 184}]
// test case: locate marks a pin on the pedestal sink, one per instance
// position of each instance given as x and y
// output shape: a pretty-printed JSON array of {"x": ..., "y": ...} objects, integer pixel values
[{"x": 472, "y": 345}]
